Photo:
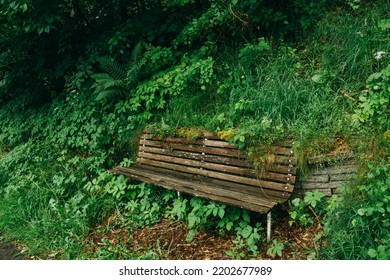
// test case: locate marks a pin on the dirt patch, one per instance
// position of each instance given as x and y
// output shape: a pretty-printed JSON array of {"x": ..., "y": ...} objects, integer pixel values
[
  {"x": 8, "y": 252},
  {"x": 168, "y": 240}
]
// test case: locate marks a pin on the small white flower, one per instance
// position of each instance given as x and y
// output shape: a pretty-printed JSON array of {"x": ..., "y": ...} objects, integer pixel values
[{"x": 379, "y": 55}]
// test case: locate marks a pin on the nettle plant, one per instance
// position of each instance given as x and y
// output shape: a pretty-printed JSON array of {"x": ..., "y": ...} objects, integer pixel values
[
  {"x": 201, "y": 213},
  {"x": 305, "y": 210}
]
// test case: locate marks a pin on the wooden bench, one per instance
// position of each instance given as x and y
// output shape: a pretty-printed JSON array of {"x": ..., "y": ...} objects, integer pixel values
[{"x": 211, "y": 168}]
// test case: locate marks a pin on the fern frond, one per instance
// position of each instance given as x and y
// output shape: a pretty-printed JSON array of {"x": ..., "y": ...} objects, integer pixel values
[
  {"x": 135, "y": 64},
  {"x": 112, "y": 68},
  {"x": 109, "y": 94},
  {"x": 98, "y": 77},
  {"x": 118, "y": 84},
  {"x": 117, "y": 80},
  {"x": 136, "y": 54}
]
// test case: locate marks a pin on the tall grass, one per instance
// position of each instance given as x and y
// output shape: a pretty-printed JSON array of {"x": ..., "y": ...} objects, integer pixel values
[
  {"x": 358, "y": 226},
  {"x": 309, "y": 90},
  {"x": 43, "y": 202}
]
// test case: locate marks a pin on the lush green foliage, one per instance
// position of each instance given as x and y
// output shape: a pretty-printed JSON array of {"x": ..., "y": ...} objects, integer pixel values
[
  {"x": 80, "y": 79},
  {"x": 375, "y": 104},
  {"x": 44, "y": 202},
  {"x": 276, "y": 248},
  {"x": 304, "y": 211},
  {"x": 358, "y": 224}
]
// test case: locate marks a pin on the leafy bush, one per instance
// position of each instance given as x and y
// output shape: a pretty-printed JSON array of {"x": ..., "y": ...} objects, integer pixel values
[
  {"x": 275, "y": 249},
  {"x": 358, "y": 226},
  {"x": 304, "y": 211},
  {"x": 43, "y": 201},
  {"x": 375, "y": 104},
  {"x": 201, "y": 213}
]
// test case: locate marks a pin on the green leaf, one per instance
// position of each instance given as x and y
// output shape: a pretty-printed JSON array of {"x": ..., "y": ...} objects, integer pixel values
[
  {"x": 190, "y": 236},
  {"x": 221, "y": 212},
  {"x": 246, "y": 231},
  {"x": 192, "y": 220},
  {"x": 229, "y": 225},
  {"x": 319, "y": 78},
  {"x": 293, "y": 214},
  {"x": 374, "y": 76},
  {"x": 296, "y": 201},
  {"x": 215, "y": 211},
  {"x": 372, "y": 253},
  {"x": 245, "y": 217}
]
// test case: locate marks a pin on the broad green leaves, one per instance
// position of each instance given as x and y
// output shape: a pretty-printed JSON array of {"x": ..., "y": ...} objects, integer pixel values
[{"x": 374, "y": 105}]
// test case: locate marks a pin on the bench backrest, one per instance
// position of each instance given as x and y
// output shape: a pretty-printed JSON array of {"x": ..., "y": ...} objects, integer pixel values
[{"x": 221, "y": 163}]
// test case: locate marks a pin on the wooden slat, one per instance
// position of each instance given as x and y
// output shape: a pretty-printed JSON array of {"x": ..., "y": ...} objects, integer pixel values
[
  {"x": 248, "y": 189},
  {"x": 197, "y": 156},
  {"x": 330, "y": 185},
  {"x": 247, "y": 172},
  {"x": 217, "y": 159},
  {"x": 217, "y": 175},
  {"x": 196, "y": 161},
  {"x": 202, "y": 142},
  {"x": 331, "y": 170},
  {"x": 195, "y": 148},
  {"x": 284, "y": 151}
]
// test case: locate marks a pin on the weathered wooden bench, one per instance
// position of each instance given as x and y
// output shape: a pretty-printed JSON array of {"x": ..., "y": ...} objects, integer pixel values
[{"x": 211, "y": 168}]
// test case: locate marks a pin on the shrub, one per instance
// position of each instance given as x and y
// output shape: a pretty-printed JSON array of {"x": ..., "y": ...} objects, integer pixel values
[{"x": 358, "y": 227}]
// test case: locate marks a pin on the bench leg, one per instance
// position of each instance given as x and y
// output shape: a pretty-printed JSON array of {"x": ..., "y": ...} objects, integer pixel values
[{"x": 269, "y": 226}]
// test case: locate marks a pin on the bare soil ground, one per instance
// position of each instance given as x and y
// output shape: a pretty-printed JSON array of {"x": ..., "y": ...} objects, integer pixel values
[
  {"x": 168, "y": 239},
  {"x": 8, "y": 252}
]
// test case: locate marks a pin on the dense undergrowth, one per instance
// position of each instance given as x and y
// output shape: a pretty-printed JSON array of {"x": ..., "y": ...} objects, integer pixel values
[{"x": 327, "y": 79}]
